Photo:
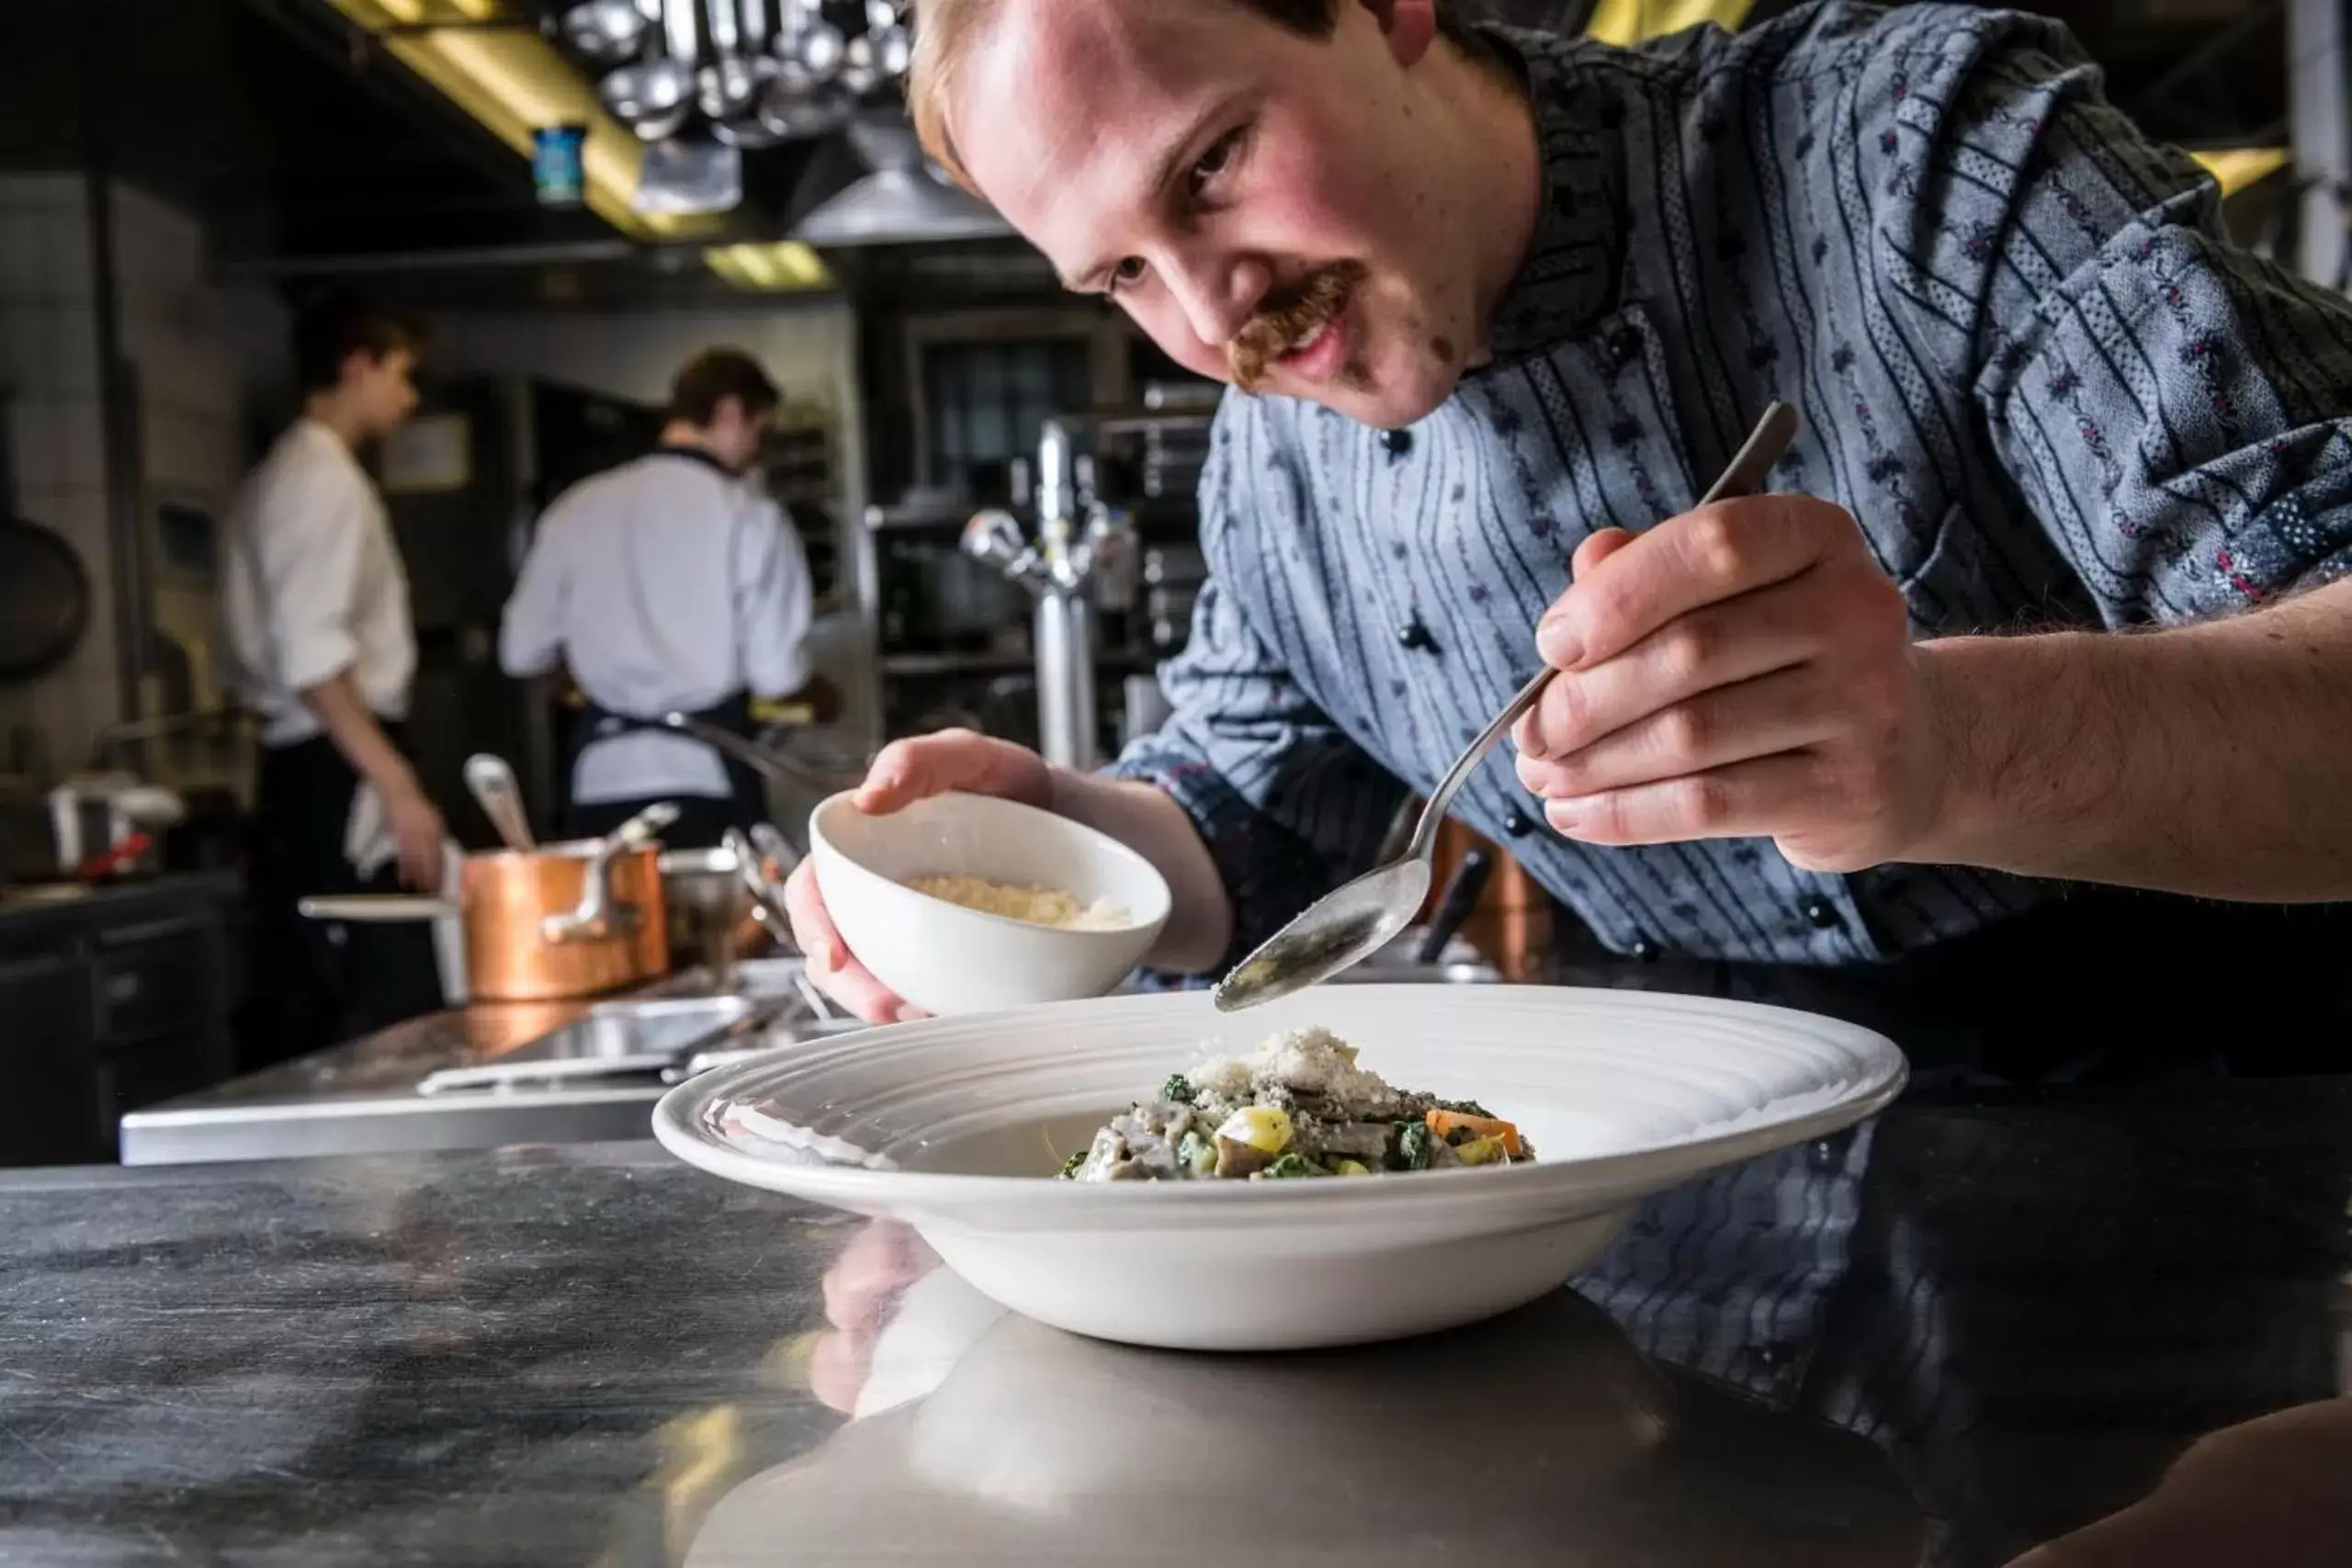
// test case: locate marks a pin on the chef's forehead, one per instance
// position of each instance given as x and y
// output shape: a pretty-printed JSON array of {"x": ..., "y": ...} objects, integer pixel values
[
  {"x": 1056, "y": 109},
  {"x": 947, "y": 31}
]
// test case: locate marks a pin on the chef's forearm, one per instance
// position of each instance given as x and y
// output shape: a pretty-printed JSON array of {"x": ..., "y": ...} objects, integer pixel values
[
  {"x": 1142, "y": 817},
  {"x": 2213, "y": 759},
  {"x": 351, "y": 725}
]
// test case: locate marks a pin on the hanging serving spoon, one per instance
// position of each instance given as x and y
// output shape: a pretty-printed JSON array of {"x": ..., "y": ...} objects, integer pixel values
[{"x": 1350, "y": 924}]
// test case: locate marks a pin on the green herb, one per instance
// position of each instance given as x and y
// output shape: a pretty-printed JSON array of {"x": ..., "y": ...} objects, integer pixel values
[
  {"x": 1464, "y": 1108},
  {"x": 1412, "y": 1148},
  {"x": 1292, "y": 1165},
  {"x": 1178, "y": 1089},
  {"x": 1069, "y": 1165},
  {"x": 1198, "y": 1154}
]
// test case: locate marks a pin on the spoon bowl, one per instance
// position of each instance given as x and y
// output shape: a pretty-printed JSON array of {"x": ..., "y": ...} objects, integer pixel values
[{"x": 1350, "y": 924}]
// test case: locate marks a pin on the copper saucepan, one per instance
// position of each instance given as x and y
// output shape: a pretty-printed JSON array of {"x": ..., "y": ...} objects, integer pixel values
[{"x": 568, "y": 920}]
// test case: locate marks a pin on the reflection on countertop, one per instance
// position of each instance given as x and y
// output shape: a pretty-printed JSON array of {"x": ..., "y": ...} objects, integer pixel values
[
  {"x": 2029, "y": 1308},
  {"x": 1040, "y": 1447}
]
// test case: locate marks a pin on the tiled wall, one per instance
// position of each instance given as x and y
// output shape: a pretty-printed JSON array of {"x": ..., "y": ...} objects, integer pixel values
[
  {"x": 194, "y": 349},
  {"x": 49, "y": 362}
]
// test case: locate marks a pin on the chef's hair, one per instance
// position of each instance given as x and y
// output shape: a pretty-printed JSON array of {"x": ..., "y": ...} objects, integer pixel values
[
  {"x": 712, "y": 376},
  {"x": 331, "y": 328},
  {"x": 946, "y": 28}
]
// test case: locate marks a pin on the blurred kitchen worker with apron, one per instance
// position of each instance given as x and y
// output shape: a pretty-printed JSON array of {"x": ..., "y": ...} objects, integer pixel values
[
  {"x": 317, "y": 643},
  {"x": 671, "y": 584}
]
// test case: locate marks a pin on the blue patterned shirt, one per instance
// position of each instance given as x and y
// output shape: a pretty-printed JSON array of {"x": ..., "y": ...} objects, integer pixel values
[{"x": 2032, "y": 365}]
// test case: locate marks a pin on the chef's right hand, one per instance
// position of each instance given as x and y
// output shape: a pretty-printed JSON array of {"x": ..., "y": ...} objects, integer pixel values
[
  {"x": 906, "y": 771},
  {"x": 418, "y": 829}
]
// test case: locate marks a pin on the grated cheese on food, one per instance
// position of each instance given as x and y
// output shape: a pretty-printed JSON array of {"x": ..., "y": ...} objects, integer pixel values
[{"x": 1037, "y": 906}]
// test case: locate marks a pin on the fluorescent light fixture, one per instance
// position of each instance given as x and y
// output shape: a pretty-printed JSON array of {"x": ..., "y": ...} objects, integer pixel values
[
  {"x": 775, "y": 267},
  {"x": 514, "y": 82}
]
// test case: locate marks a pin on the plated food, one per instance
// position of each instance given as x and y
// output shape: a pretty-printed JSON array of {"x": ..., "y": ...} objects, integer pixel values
[
  {"x": 956, "y": 1125},
  {"x": 1016, "y": 901},
  {"x": 1299, "y": 1107}
]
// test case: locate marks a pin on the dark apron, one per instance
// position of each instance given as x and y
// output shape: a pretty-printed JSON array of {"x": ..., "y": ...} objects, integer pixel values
[
  {"x": 333, "y": 981},
  {"x": 746, "y": 799}
]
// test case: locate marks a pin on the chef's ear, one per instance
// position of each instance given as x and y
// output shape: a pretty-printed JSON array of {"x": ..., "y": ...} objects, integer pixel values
[{"x": 1410, "y": 26}]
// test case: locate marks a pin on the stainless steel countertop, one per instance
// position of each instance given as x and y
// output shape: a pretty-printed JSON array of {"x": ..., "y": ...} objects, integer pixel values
[
  {"x": 1963, "y": 1330},
  {"x": 363, "y": 1098}
]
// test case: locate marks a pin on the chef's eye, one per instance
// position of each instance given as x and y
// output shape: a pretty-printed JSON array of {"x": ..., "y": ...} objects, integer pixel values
[
  {"x": 1214, "y": 162},
  {"x": 1126, "y": 273}
]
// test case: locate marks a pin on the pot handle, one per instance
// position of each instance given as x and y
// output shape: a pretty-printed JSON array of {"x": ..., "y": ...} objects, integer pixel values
[
  {"x": 376, "y": 906},
  {"x": 597, "y": 916}
]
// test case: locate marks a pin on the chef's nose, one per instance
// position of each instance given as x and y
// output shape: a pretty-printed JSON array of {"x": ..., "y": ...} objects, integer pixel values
[{"x": 1218, "y": 294}]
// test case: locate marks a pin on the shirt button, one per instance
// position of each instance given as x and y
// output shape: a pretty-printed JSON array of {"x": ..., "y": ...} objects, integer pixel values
[
  {"x": 1416, "y": 637},
  {"x": 1820, "y": 911},
  {"x": 1643, "y": 950},
  {"x": 1396, "y": 443},
  {"x": 1624, "y": 346},
  {"x": 1516, "y": 824}
]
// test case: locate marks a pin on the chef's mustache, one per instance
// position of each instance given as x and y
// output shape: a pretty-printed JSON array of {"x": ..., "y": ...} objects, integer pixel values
[{"x": 1286, "y": 315}]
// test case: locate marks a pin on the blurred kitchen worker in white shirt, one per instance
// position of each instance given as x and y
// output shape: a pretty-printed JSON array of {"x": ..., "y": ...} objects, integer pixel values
[
  {"x": 317, "y": 643},
  {"x": 671, "y": 584}
]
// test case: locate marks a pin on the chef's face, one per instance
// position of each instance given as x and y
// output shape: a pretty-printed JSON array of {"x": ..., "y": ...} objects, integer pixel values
[
  {"x": 735, "y": 433},
  {"x": 380, "y": 390},
  {"x": 1260, "y": 202}
]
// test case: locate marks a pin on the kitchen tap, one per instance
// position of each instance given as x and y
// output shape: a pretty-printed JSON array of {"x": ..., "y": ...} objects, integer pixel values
[{"x": 1081, "y": 548}]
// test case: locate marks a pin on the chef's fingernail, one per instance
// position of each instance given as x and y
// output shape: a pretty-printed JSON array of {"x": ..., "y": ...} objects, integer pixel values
[
  {"x": 909, "y": 1012},
  {"x": 1529, "y": 737},
  {"x": 1567, "y": 816},
  {"x": 1557, "y": 640}
]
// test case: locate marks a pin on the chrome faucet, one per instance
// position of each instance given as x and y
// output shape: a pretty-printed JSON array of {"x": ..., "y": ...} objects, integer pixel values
[{"x": 1079, "y": 541}]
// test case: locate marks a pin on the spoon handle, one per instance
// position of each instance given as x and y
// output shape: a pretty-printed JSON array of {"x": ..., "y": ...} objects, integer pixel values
[{"x": 1745, "y": 475}]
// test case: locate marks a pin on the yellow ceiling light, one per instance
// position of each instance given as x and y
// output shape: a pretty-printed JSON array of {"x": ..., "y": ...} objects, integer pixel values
[
  {"x": 514, "y": 82},
  {"x": 2238, "y": 167},
  {"x": 1625, "y": 22},
  {"x": 775, "y": 267}
]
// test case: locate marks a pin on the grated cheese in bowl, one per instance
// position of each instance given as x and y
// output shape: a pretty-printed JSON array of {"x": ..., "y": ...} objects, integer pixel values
[{"x": 1036, "y": 905}]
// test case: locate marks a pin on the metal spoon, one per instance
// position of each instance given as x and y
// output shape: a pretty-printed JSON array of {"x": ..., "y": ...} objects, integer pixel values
[
  {"x": 492, "y": 784},
  {"x": 1350, "y": 924}
]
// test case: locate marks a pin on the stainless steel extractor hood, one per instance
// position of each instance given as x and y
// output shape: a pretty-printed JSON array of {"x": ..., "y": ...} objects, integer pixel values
[{"x": 901, "y": 201}]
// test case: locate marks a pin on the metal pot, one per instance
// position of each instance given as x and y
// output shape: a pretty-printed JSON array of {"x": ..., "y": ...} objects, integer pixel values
[
  {"x": 569, "y": 919},
  {"x": 709, "y": 912}
]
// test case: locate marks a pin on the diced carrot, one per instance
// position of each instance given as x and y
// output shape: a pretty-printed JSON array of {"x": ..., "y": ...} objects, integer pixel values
[{"x": 1444, "y": 1122}]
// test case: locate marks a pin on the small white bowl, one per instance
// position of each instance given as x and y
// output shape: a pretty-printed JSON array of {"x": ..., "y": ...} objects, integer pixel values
[{"x": 947, "y": 959}]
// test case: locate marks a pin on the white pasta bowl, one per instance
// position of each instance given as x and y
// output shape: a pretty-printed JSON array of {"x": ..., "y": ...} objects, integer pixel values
[
  {"x": 947, "y": 959},
  {"x": 956, "y": 1125}
]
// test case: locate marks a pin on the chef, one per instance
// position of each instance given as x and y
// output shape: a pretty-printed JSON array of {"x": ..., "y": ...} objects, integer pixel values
[
  {"x": 669, "y": 584},
  {"x": 319, "y": 647},
  {"x": 2051, "y": 587}
]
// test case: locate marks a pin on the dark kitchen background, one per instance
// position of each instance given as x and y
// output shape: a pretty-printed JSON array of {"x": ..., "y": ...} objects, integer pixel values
[{"x": 175, "y": 173}]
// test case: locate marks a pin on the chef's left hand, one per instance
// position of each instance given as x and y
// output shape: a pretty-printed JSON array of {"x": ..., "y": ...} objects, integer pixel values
[{"x": 1744, "y": 669}]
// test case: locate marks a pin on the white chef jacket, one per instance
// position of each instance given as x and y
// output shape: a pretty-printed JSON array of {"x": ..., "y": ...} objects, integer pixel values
[
  {"x": 312, "y": 585},
  {"x": 666, "y": 584}
]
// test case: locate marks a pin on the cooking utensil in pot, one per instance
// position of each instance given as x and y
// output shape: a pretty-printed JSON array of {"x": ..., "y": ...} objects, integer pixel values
[
  {"x": 571, "y": 919},
  {"x": 1356, "y": 920},
  {"x": 767, "y": 897},
  {"x": 500, "y": 799}
]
